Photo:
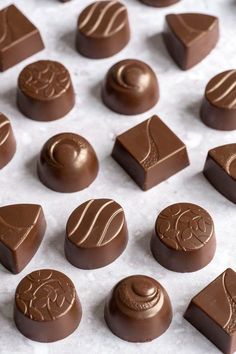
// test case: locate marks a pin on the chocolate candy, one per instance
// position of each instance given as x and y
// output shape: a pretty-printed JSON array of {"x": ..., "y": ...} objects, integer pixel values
[
  {"x": 47, "y": 307},
  {"x": 7, "y": 141},
  {"x": 67, "y": 163},
  {"x": 190, "y": 37},
  {"x": 138, "y": 309},
  {"x": 159, "y": 3},
  {"x": 45, "y": 91},
  {"x": 96, "y": 234},
  {"x": 22, "y": 227},
  {"x": 150, "y": 152},
  {"x": 130, "y": 87},
  {"x": 102, "y": 29},
  {"x": 220, "y": 170},
  {"x": 184, "y": 238},
  {"x": 218, "y": 108},
  {"x": 212, "y": 311},
  {"x": 19, "y": 38}
]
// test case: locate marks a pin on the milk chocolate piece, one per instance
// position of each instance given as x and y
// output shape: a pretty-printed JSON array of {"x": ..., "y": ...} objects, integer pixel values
[
  {"x": 138, "y": 309},
  {"x": 190, "y": 37},
  {"x": 102, "y": 29},
  {"x": 184, "y": 238},
  {"x": 19, "y": 38},
  {"x": 218, "y": 108},
  {"x": 22, "y": 227},
  {"x": 130, "y": 87},
  {"x": 67, "y": 163},
  {"x": 213, "y": 311},
  {"x": 150, "y": 152},
  {"x": 220, "y": 170},
  {"x": 159, "y": 3},
  {"x": 47, "y": 307},
  {"x": 96, "y": 234},
  {"x": 45, "y": 91},
  {"x": 7, "y": 141}
]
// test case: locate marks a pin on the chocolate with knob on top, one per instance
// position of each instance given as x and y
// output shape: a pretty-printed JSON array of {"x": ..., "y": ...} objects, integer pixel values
[
  {"x": 67, "y": 163},
  {"x": 96, "y": 234},
  {"x": 130, "y": 87},
  {"x": 45, "y": 91},
  {"x": 138, "y": 309},
  {"x": 184, "y": 238},
  {"x": 102, "y": 29},
  {"x": 47, "y": 307},
  {"x": 190, "y": 37},
  {"x": 7, "y": 141},
  {"x": 159, "y": 3}
]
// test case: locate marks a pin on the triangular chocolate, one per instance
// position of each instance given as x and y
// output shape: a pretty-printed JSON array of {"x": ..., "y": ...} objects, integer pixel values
[
  {"x": 220, "y": 170},
  {"x": 22, "y": 227},
  {"x": 190, "y": 37}
]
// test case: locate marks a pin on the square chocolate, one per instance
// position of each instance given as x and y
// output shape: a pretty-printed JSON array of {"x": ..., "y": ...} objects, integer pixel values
[{"x": 150, "y": 152}]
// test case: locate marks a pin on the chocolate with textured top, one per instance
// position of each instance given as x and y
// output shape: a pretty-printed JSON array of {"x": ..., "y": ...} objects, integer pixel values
[
  {"x": 213, "y": 311},
  {"x": 22, "y": 227},
  {"x": 102, "y": 29},
  {"x": 190, "y": 37},
  {"x": 184, "y": 238},
  {"x": 138, "y": 309},
  {"x": 130, "y": 87},
  {"x": 159, "y": 3},
  {"x": 7, "y": 141},
  {"x": 96, "y": 234},
  {"x": 218, "y": 108},
  {"x": 19, "y": 38},
  {"x": 220, "y": 170},
  {"x": 150, "y": 152},
  {"x": 67, "y": 163},
  {"x": 47, "y": 307},
  {"x": 45, "y": 91}
]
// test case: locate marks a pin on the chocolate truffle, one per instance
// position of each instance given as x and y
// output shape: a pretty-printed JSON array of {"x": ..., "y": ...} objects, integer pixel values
[
  {"x": 150, "y": 152},
  {"x": 47, "y": 307},
  {"x": 130, "y": 87},
  {"x": 220, "y": 170},
  {"x": 218, "y": 109},
  {"x": 22, "y": 227},
  {"x": 190, "y": 37},
  {"x": 184, "y": 238},
  {"x": 159, "y": 3},
  {"x": 45, "y": 91},
  {"x": 7, "y": 141},
  {"x": 102, "y": 29},
  {"x": 138, "y": 309},
  {"x": 96, "y": 234},
  {"x": 67, "y": 163},
  {"x": 213, "y": 311},
  {"x": 19, "y": 38}
]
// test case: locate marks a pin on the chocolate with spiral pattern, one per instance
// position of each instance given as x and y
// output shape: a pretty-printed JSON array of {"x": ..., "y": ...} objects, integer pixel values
[{"x": 7, "y": 141}]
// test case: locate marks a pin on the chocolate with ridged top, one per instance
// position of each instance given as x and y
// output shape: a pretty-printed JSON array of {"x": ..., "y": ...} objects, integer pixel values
[
  {"x": 159, "y": 3},
  {"x": 7, "y": 141}
]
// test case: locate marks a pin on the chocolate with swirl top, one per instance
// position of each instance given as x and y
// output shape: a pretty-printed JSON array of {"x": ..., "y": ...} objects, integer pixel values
[
  {"x": 138, "y": 309},
  {"x": 130, "y": 87},
  {"x": 45, "y": 91},
  {"x": 7, "y": 141},
  {"x": 159, "y": 3}
]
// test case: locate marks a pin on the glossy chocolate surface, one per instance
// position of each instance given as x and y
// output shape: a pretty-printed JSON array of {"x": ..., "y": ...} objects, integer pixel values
[
  {"x": 130, "y": 87},
  {"x": 220, "y": 170},
  {"x": 102, "y": 29},
  {"x": 7, "y": 141},
  {"x": 47, "y": 307},
  {"x": 218, "y": 108},
  {"x": 212, "y": 311},
  {"x": 67, "y": 163},
  {"x": 22, "y": 227},
  {"x": 159, "y": 3},
  {"x": 138, "y": 309},
  {"x": 150, "y": 152},
  {"x": 96, "y": 234},
  {"x": 190, "y": 37},
  {"x": 45, "y": 91}
]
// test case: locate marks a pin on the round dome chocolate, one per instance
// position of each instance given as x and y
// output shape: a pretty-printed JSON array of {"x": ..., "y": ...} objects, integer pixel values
[
  {"x": 7, "y": 141},
  {"x": 47, "y": 307},
  {"x": 159, "y": 3},
  {"x": 130, "y": 87},
  {"x": 67, "y": 163},
  {"x": 184, "y": 238},
  {"x": 138, "y": 309},
  {"x": 45, "y": 91}
]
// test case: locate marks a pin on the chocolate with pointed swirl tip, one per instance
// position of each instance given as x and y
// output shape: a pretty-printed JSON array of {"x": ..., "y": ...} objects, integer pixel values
[{"x": 7, "y": 141}]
